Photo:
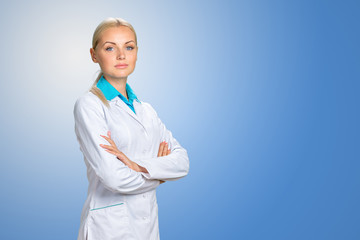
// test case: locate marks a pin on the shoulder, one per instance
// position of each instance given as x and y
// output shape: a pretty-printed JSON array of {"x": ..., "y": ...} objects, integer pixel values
[
  {"x": 88, "y": 102},
  {"x": 88, "y": 99},
  {"x": 148, "y": 107}
]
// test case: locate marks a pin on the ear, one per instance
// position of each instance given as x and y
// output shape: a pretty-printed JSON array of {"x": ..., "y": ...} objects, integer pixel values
[
  {"x": 93, "y": 55},
  {"x": 137, "y": 51}
]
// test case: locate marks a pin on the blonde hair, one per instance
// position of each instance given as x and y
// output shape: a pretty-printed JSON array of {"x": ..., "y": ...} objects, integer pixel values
[{"x": 104, "y": 25}]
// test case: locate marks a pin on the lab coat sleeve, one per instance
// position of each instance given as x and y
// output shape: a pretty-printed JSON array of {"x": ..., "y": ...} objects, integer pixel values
[
  {"x": 115, "y": 175},
  {"x": 171, "y": 167}
]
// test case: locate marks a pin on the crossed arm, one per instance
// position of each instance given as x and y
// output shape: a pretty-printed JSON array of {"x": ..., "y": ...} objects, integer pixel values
[
  {"x": 120, "y": 176},
  {"x": 112, "y": 148}
]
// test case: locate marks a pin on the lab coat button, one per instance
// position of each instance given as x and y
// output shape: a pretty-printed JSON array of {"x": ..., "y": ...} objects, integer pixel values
[
  {"x": 144, "y": 218},
  {"x": 144, "y": 151},
  {"x": 144, "y": 196}
]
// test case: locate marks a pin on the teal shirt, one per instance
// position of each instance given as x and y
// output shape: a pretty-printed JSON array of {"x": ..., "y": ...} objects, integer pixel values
[{"x": 110, "y": 92}]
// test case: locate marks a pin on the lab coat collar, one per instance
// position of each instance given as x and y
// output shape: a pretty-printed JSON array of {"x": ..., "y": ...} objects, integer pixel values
[{"x": 113, "y": 95}]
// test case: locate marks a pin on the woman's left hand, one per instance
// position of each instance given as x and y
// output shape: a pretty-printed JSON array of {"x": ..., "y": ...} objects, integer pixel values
[{"x": 120, "y": 155}]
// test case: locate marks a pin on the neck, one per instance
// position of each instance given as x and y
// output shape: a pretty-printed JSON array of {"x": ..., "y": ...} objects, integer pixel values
[{"x": 119, "y": 84}]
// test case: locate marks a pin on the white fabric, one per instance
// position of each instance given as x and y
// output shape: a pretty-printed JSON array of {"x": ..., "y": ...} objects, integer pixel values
[{"x": 121, "y": 203}]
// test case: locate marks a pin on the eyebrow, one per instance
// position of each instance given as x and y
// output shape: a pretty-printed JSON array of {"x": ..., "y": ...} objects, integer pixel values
[{"x": 115, "y": 43}]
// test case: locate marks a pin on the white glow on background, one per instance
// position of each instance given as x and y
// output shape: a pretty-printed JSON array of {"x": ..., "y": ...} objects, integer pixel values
[{"x": 263, "y": 95}]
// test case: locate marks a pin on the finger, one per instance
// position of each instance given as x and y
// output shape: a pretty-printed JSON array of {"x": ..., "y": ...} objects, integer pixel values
[
  {"x": 103, "y": 145},
  {"x": 111, "y": 148},
  {"x": 109, "y": 134},
  {"x": 109, "y": 140},
  {"x": 165, "y": 149},
  {"x": 106, "y": 138},
  {"x": 108, "y": 147},
  {"x": 168, "y": 151},
  {"x": 159, "y": 150},
  {"x": 161, "y": 146}
]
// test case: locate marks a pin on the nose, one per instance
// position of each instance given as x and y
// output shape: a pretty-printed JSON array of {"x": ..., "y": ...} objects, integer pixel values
[{"x": 120, "y": 54}]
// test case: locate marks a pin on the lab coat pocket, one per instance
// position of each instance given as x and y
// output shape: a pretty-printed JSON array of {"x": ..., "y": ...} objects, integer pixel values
[{"x": 108, "y": 222}]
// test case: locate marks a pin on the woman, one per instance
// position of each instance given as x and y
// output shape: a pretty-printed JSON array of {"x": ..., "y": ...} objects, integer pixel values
[{"x": 127, "y": 150}]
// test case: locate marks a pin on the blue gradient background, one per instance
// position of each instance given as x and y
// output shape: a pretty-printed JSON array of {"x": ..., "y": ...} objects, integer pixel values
[{"x": 264, "y": 95}]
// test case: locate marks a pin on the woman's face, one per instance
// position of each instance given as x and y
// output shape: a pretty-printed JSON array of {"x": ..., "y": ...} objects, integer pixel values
[{"x": 116, "y": 52}]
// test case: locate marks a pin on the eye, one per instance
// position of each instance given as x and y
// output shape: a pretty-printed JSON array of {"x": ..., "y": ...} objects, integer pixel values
[
  {"x": 129, "y": 48},
  {"x": 109, "y": 49}
]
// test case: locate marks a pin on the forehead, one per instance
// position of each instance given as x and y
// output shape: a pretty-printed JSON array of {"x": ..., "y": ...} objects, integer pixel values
[{"x": 117, "y": 34}]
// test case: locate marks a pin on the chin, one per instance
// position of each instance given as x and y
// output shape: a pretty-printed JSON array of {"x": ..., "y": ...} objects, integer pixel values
[
  {"x": 118, "y": 75},
  {"x": 123, "y": 72}
]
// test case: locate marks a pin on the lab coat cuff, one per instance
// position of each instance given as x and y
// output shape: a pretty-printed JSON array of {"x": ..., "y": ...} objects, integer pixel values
[
  {"x": 146, "y": 175},
  {"x": 149, "y": 174}
]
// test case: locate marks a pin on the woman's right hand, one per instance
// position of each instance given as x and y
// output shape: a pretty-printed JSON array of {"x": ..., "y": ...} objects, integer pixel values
[{"x": 163, "y": 151}]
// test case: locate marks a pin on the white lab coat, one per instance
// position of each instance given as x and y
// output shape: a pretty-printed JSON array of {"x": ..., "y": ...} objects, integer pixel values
[{"x": 121, "y": 203}]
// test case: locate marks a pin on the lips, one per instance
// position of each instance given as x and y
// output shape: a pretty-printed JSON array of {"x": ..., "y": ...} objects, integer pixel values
[{"x": 121, "y": 65}]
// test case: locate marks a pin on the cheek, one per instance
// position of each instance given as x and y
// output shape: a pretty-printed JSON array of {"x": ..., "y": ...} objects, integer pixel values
[
  {"x": 105, "y": 61},
  {"x": 132, "y": 58}
]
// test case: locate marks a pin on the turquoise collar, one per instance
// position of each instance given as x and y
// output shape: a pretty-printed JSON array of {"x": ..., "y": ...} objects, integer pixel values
[{"x": 110, "y": 92}]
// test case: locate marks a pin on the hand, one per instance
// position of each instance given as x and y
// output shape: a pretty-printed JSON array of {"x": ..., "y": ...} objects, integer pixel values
[
  {"x": 120, "y": 155},
  {"x": 163, "y": 149}
]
